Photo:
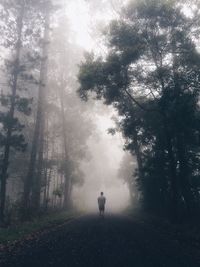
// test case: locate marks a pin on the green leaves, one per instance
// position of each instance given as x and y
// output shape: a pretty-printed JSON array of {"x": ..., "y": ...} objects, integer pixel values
[
  {"x": 23, "y": 105},
  {"x": 18, "y": 142}
]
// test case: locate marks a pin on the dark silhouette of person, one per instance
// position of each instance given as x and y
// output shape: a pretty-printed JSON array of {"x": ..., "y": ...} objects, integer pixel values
[{"x": 101, "y": 203}]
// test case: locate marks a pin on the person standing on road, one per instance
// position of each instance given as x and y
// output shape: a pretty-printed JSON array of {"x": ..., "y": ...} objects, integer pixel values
[{"x": 101, "y": 203}]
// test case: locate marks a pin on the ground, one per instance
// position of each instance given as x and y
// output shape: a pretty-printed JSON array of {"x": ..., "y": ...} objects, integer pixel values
[{"x": 113, "y": 241}]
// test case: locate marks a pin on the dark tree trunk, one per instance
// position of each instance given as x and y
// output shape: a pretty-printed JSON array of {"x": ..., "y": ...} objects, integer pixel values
[
  {"x": 173, "y": 175},
  {"x": 36, "y": 194},
  {"x": 45, "y": 187},
  {"x": 161, "y": 172},
  {"x": 66, "y": 201},
  {"x": 138, "y": 154},
  {"x": 46, "y": 155},
  {"x": 184, "y": 173}
]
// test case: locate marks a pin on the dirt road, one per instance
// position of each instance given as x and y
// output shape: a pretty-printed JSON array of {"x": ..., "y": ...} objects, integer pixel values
[{"x": 91, "y": 241}]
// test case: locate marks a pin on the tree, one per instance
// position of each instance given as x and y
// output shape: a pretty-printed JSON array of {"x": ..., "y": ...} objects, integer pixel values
[
  {"x": 126, "y": 173},
  {"x": 33, "y": 179},
  {"x": 12, "y": 102},
  {"x": 151, "y": 75},
  {"x": 72, "y": 121}
]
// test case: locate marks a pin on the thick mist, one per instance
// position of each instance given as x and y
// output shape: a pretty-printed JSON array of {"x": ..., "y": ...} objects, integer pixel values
[
  {"x": 101, "y": 170},
  {"x": 99, "y": 96},
  {"x": 60, "y": 141}
]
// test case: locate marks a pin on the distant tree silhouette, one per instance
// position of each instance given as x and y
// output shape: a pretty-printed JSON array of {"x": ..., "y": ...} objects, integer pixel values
[
  {"x": 32, "y": 183},
  {"x": 14, "y": 100}
]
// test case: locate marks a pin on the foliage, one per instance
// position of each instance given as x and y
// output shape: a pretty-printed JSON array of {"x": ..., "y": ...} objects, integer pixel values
[
  {"x": 151, "y": 76},
  {"x": 32, "y": 229}
]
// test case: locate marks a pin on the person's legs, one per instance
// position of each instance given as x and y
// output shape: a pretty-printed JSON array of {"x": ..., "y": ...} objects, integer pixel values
[{"x": 102, "y": 211}]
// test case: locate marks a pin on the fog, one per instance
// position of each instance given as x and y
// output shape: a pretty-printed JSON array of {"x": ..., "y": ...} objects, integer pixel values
[
  {"x": 101, "y": 171},
  {"x": 99, "y": 96},
  {"x": 87, "y": 20},
  {"x": 61, "y": 141}
]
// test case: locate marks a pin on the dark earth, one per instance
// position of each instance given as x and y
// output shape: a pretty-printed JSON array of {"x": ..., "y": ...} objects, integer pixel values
[{"x": 113, "y": 241}]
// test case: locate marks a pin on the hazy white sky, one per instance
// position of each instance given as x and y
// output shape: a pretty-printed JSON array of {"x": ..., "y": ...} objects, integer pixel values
[
  {"x": 79, "y": 20},
  {"x": 84, "y": 21}
]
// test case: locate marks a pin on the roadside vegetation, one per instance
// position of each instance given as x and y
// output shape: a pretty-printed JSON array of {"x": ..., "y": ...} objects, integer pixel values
[{"x": 34, "y": 228}]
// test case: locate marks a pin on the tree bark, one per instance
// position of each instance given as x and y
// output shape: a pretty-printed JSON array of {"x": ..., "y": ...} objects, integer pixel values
[
  {"x": 36, "y": 194},
  {"x": 184, "y": 173},
  {"x": 66, "y": 201},
  {"x": 138, "y": 154},
  {"x": 173, "y": 175}
]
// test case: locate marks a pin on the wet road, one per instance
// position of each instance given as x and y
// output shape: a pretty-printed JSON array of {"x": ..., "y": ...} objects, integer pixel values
[{"x": 91, "y": 241}]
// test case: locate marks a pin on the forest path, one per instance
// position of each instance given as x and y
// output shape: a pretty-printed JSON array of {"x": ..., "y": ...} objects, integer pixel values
[{"x": 113, "y": 241}]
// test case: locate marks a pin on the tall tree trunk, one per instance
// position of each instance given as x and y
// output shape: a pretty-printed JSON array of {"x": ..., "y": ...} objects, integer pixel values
[
  {"x": 166, "y": 133},
  {"x": 138, "y": 154},
  {"x": 48, "y": 188},
  {"x": 66, "y": 201},
  {"x": 46, "y": 166},
  {"x": 173, "y": 174},
  {"x": 29, "y": 181},
  {"x": 184, "y": 173},
  {"x": 45, "y": 187},
  {"x": 170, "y": 154},
  {"x": 6, "y": 155},
  {"x": 160, "y": 165},
  {"x": 36, "y": 192}
]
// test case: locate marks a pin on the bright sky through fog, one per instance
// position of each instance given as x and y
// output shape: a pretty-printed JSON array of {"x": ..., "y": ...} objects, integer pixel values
[
  {"x": 83, "y": 22},
  {"x": 79, "y": 20}
]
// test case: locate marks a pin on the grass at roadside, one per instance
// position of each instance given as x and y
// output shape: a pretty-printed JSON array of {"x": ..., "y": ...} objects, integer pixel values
[{"x": 9, "y": 235}]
